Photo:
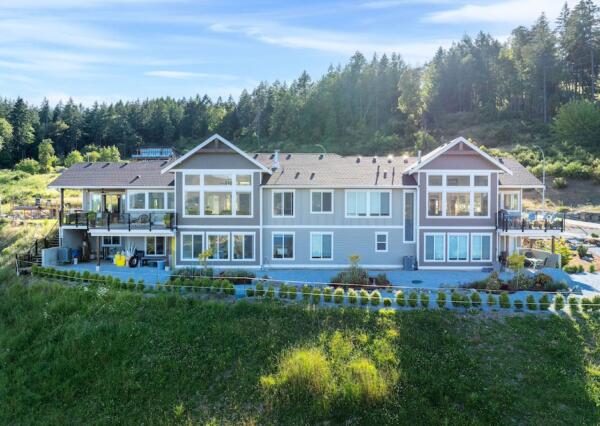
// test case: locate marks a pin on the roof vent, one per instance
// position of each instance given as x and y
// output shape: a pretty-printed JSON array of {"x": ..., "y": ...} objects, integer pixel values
[
  {"x": 135, "y": 178},
  {"x": 297, "y": 175},
  {"x": 87, "y": 165},
  {"x": 122, "y": 165},
  {"x": 389, "y": 158},
  {"x": 357, "y": 160},
  {"x": 312, "y": 175},
  {"x": 287, "y": 157},
  {"x": 255, "y": 156},
  {"x": 385, "y": 174},
  {"x": 271, "y": 156},
  {"x": 164, "y": 163},
  {"x": 320, "y": 156},
  {"x": 105, "y": 165},
  {"x": 405, "y": 160},
  {"x": 374, "y": 160}
]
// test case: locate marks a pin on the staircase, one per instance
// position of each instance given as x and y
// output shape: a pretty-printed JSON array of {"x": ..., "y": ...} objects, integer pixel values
[{"x": 33, "y": 256}]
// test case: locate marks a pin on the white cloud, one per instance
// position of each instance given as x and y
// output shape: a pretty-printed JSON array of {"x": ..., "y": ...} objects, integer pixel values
[
  {"x": 388, "y": 4},
  {"x": 188, "y": 75},
  {"x": 511, "y": 11}
]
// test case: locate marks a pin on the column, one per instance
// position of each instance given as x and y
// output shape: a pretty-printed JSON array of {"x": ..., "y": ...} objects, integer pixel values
[
  {"x": 97, "y": 253},
  {"x": 62, "y": 207}
]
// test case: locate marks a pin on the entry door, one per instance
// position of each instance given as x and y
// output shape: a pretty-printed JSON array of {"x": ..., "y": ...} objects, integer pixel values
[{"x": 113, "y": 203}]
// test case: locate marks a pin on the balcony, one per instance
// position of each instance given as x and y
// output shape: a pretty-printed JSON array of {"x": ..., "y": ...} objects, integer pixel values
[
  {"x": 529, "y": 223},
  {"x": 120, "y": 221}
]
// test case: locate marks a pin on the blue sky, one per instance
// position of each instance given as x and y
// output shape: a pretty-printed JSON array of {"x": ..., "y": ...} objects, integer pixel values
[{"x": 127, "y": 49}]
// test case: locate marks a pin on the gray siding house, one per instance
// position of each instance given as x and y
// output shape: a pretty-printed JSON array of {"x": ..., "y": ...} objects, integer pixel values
[{"x": 456, "y": 207}]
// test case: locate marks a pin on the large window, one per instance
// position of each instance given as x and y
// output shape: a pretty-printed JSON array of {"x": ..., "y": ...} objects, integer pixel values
[
  {"x": 480, "y": 204},
  {"x": 381, "y": 242},
  {"x": 434, "y": 247},
  {"x": 155, "y": 246},
  {"x": 243, "y": 246},
  {"x": 321, "y": 245},
  {"x": 217, "y": 194},
  {"x": 191, "y": 246},
  {"x": 151, "y": 200},
  {"x": 409, "y": 217},
  {"x": 156, "y": 200},
  {"x": 458, "y": 247},
  {"x": 458, "y": 195},
  {"x": 458, "y": 204},
  {"x": 95, "y": 202},
  {"x": 434, "y": 204},
  {"x": 137, "y": 201},
  {"x": 368, "y": 204},
  {"x": 481, "y": 247},
  {"x": 218, "y": 244},
  {"x": 283, "y": 203},
  {"x": 283, "y": 245},
  {"x": 511, "y": 201},
  {"x": 321, "y": 202}
]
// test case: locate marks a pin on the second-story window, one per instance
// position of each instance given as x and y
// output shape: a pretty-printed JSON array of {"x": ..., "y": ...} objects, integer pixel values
[
  {"x": 368, "y": 204},
  {"x": 321, "y": 202},
  {"x": 511, "y": 201},
  {"x": 283, "y": 203},
  {"x": 217, "y": 194},
  {"x": 458, "y": 195}
]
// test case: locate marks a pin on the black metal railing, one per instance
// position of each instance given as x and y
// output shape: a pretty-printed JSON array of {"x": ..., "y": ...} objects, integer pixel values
[
  {"x": 510, "y": 222},
  {"x": 121, "y": 221}
]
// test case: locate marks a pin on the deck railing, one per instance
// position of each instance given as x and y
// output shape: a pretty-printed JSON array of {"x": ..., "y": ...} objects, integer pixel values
[
  {"x": 507, "y": 222},
  {"x": 129, "y": 221}
]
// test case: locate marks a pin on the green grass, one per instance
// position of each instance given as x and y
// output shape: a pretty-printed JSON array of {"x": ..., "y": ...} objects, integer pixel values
[
  {"x": 17, "y": 237},
  {"x": 22, "y": 188},
  {"x": 69, "y": 356}
]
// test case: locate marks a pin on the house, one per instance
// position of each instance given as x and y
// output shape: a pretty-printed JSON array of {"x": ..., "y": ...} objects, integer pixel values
[{"x": 456, "y": 207}]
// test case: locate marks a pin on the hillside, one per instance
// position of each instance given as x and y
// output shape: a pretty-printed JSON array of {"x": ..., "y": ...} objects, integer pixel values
[{"x": 108, "y": 356}]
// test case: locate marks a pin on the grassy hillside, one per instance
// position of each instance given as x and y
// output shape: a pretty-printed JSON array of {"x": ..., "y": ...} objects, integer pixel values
[
  {"x": 17, "y": 237},
  {"x": 18, "y": 187},
  {"x": 96, "y": 357}
]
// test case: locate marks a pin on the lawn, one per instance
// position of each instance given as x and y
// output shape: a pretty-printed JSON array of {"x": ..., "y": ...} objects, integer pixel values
[{"x": 71, "y": 356}]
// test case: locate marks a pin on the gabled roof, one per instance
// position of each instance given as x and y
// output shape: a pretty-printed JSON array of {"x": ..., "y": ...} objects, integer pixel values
[
  {"x": 427, "y": 158},
  {"x": 520, "y": 177},
  {"x": 137, "y": 174},
  {"x": 206, "y": 142}
]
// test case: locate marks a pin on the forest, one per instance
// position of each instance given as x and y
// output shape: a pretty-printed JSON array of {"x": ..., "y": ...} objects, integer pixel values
[{"x": 538, "y": 87}]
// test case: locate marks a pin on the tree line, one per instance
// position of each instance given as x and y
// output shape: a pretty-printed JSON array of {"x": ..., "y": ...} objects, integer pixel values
[{"x": 379, "y": 105}]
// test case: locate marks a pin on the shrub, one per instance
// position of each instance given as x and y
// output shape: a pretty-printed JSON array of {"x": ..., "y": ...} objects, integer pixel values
[
  {"x": 117, "y": 283},
  {"x": 271, "y": 292},
  {"x": 354, "y": 275},
  {"x": 530, "y": 300},
  {"x": 544, "y": 302},
  {"x": 327, "y": 292},
  {"x": 228, "y": 288},
  {"x": 352, "y": 298},
  {"x": 586, "y": 304},
  {"x": 518, "y": 304},
  {"x": 191, "y": 273},
  {"x": 594, "y": 235},
  {"x": 592, "y": 268},
  {"x": 381, "y": 280},
  {"x": 306, "y": 290},
  {"x": 582, "y": 251},
  {"x": 493, "y": 282},
  {"x": 456, "y": 299},
  {"x": 504, "y": 300},
  {"x": 387, "y": 302},
  {"x": 559, "y": 183},
  {"x": 364, "y": 297},
  {"x": 580, "y": 269},
  {"x": 475, "y": 299},
  {"x": 542, "y": 281},
  {"x": 338, "y": 295},
  {"x": 441, "y": 299},
  {"x": 425, "y": 300},
  {"x": 375, "y": 298},
  {"x": 596, "y": 303},
  {"x": 573, "y": 304},
  {"x": 140, "y": 285},
  {"x": 249, "y": 292},
  {"x": 238, "y": 276},
  {"x": 131, "y": 284},
  {"x": 260, "y": 289},
  {"x": 400, "y": 301},
  {"x": 570, "y": 269},
  {"x": 282, "y": 293},
  {"x": 28, "y": 165},
  {"x": 413, "y": 299},
  {"x": 316, "y": 295},
  {"x": 559, "y": 302},
  {"x": 556, "y": 286},
  {"x": 292, "y": 291},
  {"x": 109, "y": 279}
]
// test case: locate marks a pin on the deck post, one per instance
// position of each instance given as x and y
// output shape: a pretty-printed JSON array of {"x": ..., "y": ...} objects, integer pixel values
[
  {"x": 62, "y": 206},
  {"x": 553, "y": 245},
  {"x": 97, "y": 253}
]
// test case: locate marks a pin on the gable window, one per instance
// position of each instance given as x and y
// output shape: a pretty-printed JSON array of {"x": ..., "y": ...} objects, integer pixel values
[
  {"x": 155, "y": 246},
  {"x": 217, "y": 194},
  {"x": 243, "y": 246},
  {"x": 321, "y": 202},
  {"x": 458, "y": 247},
  {"x": 218, "y": 244},
  {"x": 511, "y": 201},
  {"x": 481, "y": 247},
  {"x": 191, "y": 246},
  {"x": 434, "y": 180},
  {"x": 381, "y": 242},
  {"x": 458, "y": 180},
  {"x": 283, "y": 203},
  {"x": 111, "y": 241},
  {"x": 481, "y": 180},
  {"x": 434, "y": 247},
  {"x": 283, "y": 245},
  {"x": 368, "y": 204},
  {"x": 321, "y": 245}
]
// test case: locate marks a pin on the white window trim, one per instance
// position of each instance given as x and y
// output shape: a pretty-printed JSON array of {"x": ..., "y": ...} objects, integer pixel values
[
  {"x": 322, "y": 191},
  {"x": 111, "y": 244},
  {"x": 147, "y": 201},
  {"x": 233, "y": 235},
  {"x": 219, "y": 234},
  {"x": 518, "y": 193},
  {"x": 434, "y": 234},
  {"x": 233, "y": 189},
  {"x": 368, "y": 192},
  {"x": 457, "y": 234},
  {"x": 414, "y": 240},
  {"x": 320, "y": 259},
  {"x": 387, "y": 242},
  {"x": 283, "y": 191},
  {"x": 182, "y": 234},
  {"x": 156, "y": 254},
  {"x": 481, "y": 234},
  {"x": 471, "y": 190},
  {"x": 277, "y": 259}
]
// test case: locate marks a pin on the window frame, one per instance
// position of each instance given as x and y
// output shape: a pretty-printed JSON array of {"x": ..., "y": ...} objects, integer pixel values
[
  {"x": 147, "y": 200},
  {"x": 322, "y": 191},
  {"x": 103, "y": 244},
  {"x": 387, "y": 241},
  {"x": 434, "y": 234},
  {"x": 192, "y": 234},
  {"x": 414, "y": 211},
  {"x": 481, "y": 235},
  {"x": 368, "y": 193},
  {"x": 164, "y": 253},
  {"x": 232, "y": 189},
  {"x": 276, "y": 233},
  {"x": 444, "y": 189},
  {"x": 283, "y": 192},
  {"x": 310, "y": 252},
  {"x": 457, "y": 234},
  {"x": 519, "y": 201},
  {"x": 218, "y": 234},
  {"x": 244, "y": 234}
]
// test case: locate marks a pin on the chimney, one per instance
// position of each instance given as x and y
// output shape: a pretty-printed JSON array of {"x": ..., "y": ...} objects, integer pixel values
[
  {"x": 275, "y": 164},
  {"x": 419, "y": 156}
]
